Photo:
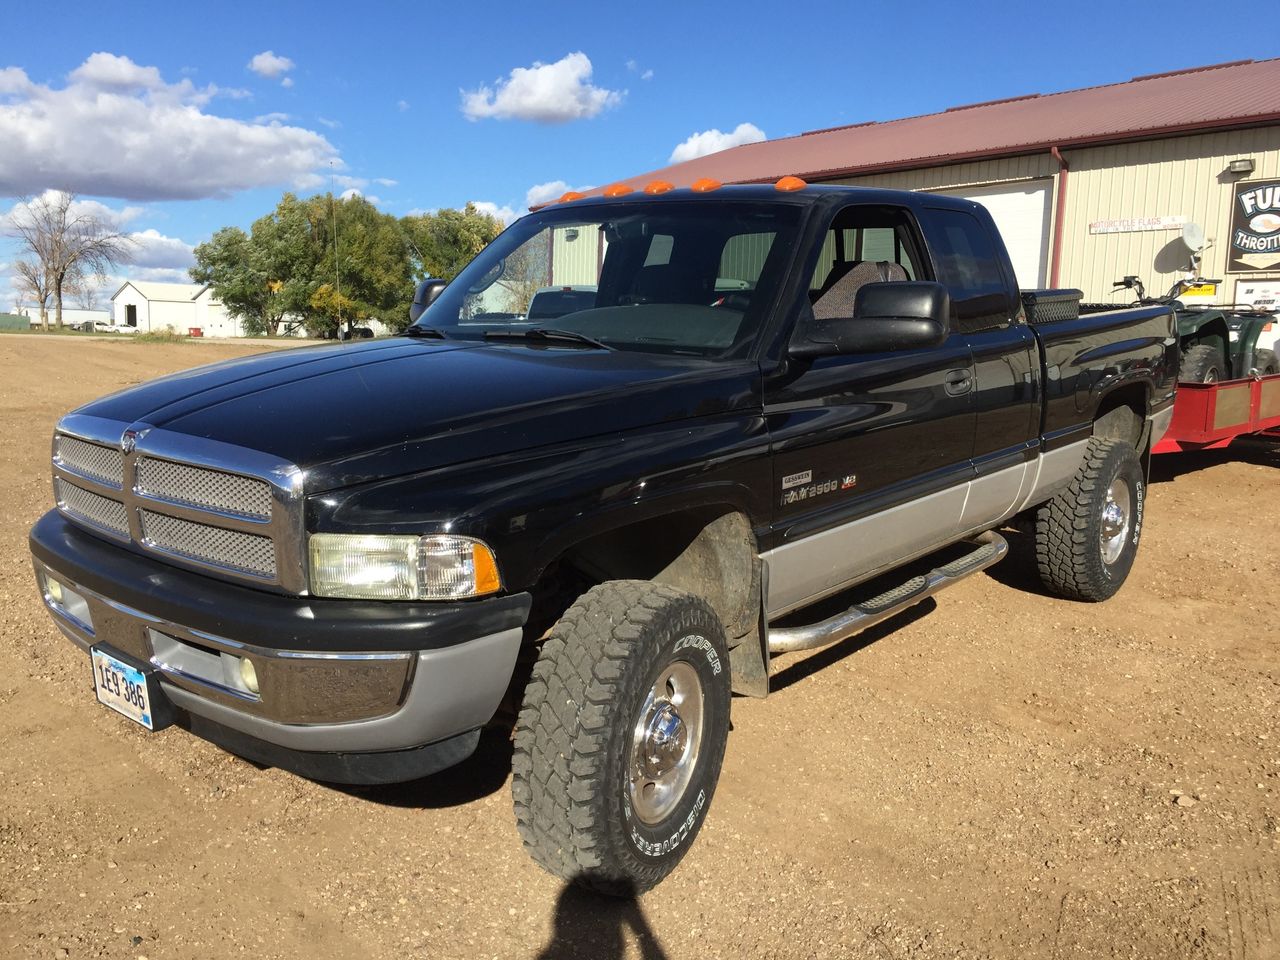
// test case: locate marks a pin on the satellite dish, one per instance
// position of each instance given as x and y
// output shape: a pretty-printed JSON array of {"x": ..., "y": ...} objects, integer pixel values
[{"x": 1193, "y": 237}]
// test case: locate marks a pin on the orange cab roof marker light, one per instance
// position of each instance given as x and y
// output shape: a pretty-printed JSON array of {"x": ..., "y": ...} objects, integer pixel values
[
  {"x": 617, "y": 190},
  {"x": 705, "y": 185},
  {"x": 658, "y": 186},
  {"x": 570, "y": 196},
  {"x": 788, "y": 184}
]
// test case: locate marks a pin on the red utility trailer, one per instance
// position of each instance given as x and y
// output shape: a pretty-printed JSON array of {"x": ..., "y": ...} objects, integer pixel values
[{"x": 1211, "y": 415}]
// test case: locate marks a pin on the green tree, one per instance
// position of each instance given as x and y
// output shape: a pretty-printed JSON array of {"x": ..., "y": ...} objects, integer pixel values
[
  {"x": 330, "y": 263},
  {"x": 446, "y": 241}
]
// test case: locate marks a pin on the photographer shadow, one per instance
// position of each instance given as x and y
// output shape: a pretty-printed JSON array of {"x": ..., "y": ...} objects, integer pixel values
[{"x": 589, "y": 926}]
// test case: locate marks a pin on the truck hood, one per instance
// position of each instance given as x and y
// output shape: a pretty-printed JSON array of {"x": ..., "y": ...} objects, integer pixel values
[{"x": 351, "y": 413}]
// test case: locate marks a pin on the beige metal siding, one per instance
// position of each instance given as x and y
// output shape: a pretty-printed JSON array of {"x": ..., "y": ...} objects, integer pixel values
[
  {"x": 1182, "y": 176},
  {"x": 959, "y": 175},
  {"x": 1185, "y": 176},
  {"x": 575, "y": 261}
]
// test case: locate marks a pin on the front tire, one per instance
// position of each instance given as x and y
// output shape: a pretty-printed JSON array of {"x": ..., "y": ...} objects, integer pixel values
[
  {"x": 621, "y": 736},
  {"x": 1087, "y": 536}
]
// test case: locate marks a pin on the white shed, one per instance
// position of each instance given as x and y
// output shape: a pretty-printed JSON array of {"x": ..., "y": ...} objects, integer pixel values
[
  {"x": 212, "y": 317},
  {"x": 183, "y": 306}
]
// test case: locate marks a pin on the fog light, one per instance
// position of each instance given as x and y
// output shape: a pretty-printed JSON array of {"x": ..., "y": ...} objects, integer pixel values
[
  {"x": 54, "y": 589},
  {"x": 248, "y": 675}
]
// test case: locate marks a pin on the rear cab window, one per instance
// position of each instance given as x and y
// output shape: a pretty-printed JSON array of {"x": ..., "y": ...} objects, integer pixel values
[{"x": 968, "y": 262}]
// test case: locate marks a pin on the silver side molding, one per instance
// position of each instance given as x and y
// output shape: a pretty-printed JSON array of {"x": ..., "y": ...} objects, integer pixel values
[{"x": 989, "y": 548}]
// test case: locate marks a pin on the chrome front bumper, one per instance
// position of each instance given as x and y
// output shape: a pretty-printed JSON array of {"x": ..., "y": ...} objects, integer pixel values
[{"x": 331, "y": 701}]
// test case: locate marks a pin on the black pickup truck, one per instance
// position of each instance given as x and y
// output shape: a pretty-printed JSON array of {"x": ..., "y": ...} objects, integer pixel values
[{"x": 346, "y": 560}]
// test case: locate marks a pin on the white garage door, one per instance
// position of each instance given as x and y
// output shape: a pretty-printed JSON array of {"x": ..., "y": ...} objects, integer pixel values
[{"x": 1021, "y": 211}]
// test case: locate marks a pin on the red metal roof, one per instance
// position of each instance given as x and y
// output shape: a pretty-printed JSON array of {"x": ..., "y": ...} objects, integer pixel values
[{"x": 1240, "y": 93}]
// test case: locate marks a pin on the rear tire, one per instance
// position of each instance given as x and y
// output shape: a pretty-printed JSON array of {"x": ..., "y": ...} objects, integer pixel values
[
  {"x": 621, "y": 736},
  {"x": 1087, "y": 536},
  {"x": 1202, "y": 363},
  {"x": 1266, "y": 362}
]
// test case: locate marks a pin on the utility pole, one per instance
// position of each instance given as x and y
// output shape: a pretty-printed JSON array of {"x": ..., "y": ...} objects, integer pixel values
[{"x": 337, "y": 278}]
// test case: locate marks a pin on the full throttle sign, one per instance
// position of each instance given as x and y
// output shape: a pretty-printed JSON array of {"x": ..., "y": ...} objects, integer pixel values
[{"x": 1255, "y": 227}]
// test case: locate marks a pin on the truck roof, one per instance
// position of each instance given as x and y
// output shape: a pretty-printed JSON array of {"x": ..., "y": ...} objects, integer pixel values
[{"x": 767, "y": 192}]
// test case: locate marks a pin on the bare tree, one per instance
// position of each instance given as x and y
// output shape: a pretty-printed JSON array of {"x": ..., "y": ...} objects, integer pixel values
[
  {"x": 70, "y": 244},
  {"x": 85, "y": 291},
  {"x": 32, "y": 283}
]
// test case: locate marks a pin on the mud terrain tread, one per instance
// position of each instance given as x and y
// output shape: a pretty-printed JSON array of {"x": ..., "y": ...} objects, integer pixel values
[{"x": 562, "y": 731}]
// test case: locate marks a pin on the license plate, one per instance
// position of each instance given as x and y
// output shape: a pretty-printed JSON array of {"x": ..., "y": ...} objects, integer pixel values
[{"x": 122, "y": 687}]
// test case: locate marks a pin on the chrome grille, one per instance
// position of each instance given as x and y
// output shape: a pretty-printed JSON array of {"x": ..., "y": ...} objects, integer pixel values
[
  {"x": 244, "y": 552},
  {"x": 202, "y": 487},
  {"x": 92, "y": 460},
  {"x": 203, "y": 504},
  {"x": 99, "y": 511}
]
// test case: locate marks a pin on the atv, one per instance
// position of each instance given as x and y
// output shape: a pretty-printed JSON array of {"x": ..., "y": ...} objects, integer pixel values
[{"x": 1217, "y": 343}]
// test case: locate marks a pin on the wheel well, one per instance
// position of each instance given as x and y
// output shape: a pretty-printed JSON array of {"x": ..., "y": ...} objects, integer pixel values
[
  {"x": 1122, "y": 415},
  {"x": 709, "y": 552},
  {"x": 1215, "y": 333}
]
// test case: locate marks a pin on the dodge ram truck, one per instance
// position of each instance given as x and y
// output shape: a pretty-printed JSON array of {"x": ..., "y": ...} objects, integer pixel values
[{"x": 346, "y": 560}]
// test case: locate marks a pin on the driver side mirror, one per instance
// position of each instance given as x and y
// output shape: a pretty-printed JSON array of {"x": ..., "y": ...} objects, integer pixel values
[
  {"x": 911, "y": 315},
  {"x": 424, "y": 295}
]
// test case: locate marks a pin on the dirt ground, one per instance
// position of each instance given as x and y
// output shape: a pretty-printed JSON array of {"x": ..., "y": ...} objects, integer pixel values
[{"x": 997, "y": 774}]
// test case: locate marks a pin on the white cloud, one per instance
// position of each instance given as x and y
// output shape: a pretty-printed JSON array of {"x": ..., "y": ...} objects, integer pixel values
[
  {"x": 116, "y": 218},
  {"x": 13, "y": 80},
  {"x": 152, "y": 250},
  {"x": 545, "y": 92},
  {"x": 151, "y": 140},
  {"x": 108, "y": 71},
  {"x": 385, "y": 181},
  {"x": 504, "y": 213},
  {"x": 713, "y": 141},
  {"x": 356, "y": 192},
  {"x": 634, "y": 67},
  {"x": 402, "y": 105},
  {"x": 268, "y": 64},
  {"x": 287, "y": 82},
  {"x": 331, "y": 124},
  {"x": 271, "y": 118},
  {"x": 541, "y": 193}
]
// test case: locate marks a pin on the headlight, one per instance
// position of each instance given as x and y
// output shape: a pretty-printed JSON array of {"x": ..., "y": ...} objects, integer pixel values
[{"x": 441, "y": 567}]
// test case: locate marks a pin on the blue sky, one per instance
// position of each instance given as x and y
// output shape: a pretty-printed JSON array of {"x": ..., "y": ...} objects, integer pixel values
[{"x": 176, "y": 119}]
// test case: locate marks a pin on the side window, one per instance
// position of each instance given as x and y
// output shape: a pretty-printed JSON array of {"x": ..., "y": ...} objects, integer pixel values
[
  {"x": 968, "y": 265},
  {"x": 860, "y": 234}
]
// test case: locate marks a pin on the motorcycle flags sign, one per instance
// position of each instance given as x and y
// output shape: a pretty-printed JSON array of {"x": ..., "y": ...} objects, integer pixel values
[{"x": 1255, "y": 227}]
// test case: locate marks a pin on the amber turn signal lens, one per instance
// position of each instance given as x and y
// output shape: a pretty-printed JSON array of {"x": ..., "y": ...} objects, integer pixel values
[
  {"x": 658, "y": 186},
  {"x": 616, "y": 190},
  {"x": 787, "y": 184},
  {"x": 486, "y": 570},
  {"x": 705, "y": 185}
]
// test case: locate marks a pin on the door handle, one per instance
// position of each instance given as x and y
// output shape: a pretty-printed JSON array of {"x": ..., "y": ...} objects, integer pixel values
[{"x": 958, "y": 382}]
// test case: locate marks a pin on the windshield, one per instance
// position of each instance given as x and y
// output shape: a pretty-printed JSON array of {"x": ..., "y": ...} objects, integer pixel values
[{"x": 692, "y": 277}]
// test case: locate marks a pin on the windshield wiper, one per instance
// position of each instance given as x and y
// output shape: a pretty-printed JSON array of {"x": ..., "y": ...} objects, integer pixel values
[
  {"x": 547, "y": 333},
  {"x": 430, "y": 333}
]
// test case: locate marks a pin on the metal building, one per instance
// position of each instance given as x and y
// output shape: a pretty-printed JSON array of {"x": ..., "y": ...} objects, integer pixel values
[{"x": 1087, "y": 185}]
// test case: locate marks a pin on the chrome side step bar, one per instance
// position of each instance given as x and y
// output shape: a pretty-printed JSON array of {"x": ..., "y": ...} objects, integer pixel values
[{"x": 989, "y": 547}]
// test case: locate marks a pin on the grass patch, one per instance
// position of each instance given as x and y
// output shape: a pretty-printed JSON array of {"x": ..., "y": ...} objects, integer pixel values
[{"x": 159, "y": 336}]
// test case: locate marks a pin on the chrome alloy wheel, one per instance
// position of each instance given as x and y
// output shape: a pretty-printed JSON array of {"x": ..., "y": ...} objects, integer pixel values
[
  {"x": 665, "y": 743},
  {"x": 1115, "y": 521}
]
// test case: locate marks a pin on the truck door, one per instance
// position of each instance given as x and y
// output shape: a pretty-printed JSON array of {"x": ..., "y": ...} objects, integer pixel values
[
  {"x": 871, "y": 452},
  {"x": 971, "y": 261}
]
